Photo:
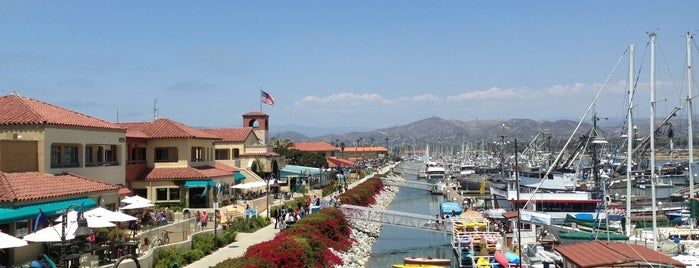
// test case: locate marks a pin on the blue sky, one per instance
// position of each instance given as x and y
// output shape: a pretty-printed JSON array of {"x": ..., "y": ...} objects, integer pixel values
[{"x": 368, "y": 64}]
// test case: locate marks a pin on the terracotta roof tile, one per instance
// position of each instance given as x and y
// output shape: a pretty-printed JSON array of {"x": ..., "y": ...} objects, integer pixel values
[
  {"x": 611, "y": 253},
  {"x": 34, "y": 185},
  {"x": 20, "y": 110},
  {"x": 184, "y": 173},
  {"x": 366, "y": 149},
  {"x": 319, "y": 146},
  {"x": 333, "y": 162},
  {"x": 164, "y": 129},
  {"x": 255, "y": 113},
  {"x": 230, "y": 134},
  {"x": 225, "y": 167},
  {"x": 265, "y": 154}
]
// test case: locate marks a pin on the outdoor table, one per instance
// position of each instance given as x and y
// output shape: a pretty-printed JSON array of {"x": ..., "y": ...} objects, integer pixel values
[{"x": 104, "y": 253}]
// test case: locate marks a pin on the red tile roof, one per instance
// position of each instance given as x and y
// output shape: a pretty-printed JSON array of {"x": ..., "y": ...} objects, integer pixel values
[
  {"x": 265, "y": 154},
  {"x": 334, "y": 162},
  {"x": 230, "y": 134},
  {"x": 225, "y": 167},
  {"x": 164, "y": 129},
  {"x": 27, "y": 186},
  {"x": 366, "y": 149},
  {"x": 20, "y": 110},
  {"x": 319, "y": 146},
  {"x": 613, "y": 254},
  {"x": 184, "y": 173},
  {"x": 255, "y": 113}
]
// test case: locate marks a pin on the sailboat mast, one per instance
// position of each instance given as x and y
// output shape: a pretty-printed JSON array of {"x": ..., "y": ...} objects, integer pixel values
[
  {"x": 629, "y": 142},
  {"x": 690, "y": 111},
  {"x": 652, "y": 141}
]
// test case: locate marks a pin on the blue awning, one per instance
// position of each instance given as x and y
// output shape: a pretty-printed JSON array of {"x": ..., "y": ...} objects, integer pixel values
[
  {"x": 199, "y": 184},
  {"x": 239, "y": 176},
  {"x": 23, "y": 213}
]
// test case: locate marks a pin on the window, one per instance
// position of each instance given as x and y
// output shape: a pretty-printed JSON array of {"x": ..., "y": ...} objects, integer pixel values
[
  {"x": 236, "y": 153},
  {"x": 167, "y": 194},
  {"x": 222, "y": 154},
  {"x": 138, "y": 155},
  {"x": 89, "y": 155},
  {"x": 64, "y": 156},
  {"x": 197, "y": 154},
  {"x": 166, "y": 154},
  {"x": 101, "y": 155},
  {"x": 22, "y": 228}
]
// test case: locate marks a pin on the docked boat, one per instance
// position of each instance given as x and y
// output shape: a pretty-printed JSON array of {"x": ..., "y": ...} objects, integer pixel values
[
  {"x": 427, "y": 261},
  {"x": 450, "y": 209},
  {"x": 435, "y": 171},
  {"x": 415, "y": 265}
]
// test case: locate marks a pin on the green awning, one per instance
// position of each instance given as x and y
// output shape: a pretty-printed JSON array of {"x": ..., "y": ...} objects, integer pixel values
[
  {"x": 239, "y": 176},
  {"x": 23, "y": 213},
  {"x": 199, "y": 184}
]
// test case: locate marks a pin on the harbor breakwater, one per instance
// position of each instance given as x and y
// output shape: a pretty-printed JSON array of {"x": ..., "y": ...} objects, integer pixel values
[{"x": 365, "y": 233}]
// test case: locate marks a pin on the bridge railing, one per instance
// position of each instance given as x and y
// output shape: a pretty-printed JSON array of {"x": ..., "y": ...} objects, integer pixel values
[{"x": 397, "y": 218}]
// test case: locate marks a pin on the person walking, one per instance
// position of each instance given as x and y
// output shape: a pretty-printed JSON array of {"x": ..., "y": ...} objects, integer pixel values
[{"x": 204, "y": 219}]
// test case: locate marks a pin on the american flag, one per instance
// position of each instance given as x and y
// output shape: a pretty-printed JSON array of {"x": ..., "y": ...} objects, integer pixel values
[{"x": 266, "y": 98}]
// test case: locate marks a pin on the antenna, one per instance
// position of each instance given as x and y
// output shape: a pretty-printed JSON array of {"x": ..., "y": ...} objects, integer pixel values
[{"x": 155, "y": 109}]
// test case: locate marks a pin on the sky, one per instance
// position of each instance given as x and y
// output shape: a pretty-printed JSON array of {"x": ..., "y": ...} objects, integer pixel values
[{"x": 364, "y": 64}]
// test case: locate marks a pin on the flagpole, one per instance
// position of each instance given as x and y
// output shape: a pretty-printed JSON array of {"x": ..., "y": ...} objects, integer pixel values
[{"x": 260, "y": 99}]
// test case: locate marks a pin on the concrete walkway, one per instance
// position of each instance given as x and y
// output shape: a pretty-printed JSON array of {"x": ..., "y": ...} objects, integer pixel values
[
  {"x": 245, "y": 240},
  {"x": 237, "y": 248}
]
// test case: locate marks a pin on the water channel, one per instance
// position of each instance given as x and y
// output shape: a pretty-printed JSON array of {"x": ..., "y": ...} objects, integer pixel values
[{"x": 396, "y": 243}]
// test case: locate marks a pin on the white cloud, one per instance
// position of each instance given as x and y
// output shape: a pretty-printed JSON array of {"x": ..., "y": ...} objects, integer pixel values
[
  {"x": 346, "y": 99},
  {"x": 491, "y": 93}
]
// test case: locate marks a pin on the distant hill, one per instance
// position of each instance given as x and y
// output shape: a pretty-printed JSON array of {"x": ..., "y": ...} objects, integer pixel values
[{"x": 436, "y": 130}]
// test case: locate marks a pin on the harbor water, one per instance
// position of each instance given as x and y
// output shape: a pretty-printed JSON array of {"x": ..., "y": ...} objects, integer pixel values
[{"x": 396, "y": 243}]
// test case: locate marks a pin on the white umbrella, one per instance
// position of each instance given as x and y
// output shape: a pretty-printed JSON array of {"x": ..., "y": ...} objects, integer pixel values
[
  {"x": 135, "y": 199},
  {"x": 108, "y": 215},
  {"x": 137, "y": 205},
  {"x": 92, "y": 222},
  {"x": 8, "y": 241},
  {"x": 52, "y": 233}
]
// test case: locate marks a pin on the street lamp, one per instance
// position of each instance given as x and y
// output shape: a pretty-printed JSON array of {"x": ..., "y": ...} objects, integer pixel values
[{"x": 81, "y": 232}]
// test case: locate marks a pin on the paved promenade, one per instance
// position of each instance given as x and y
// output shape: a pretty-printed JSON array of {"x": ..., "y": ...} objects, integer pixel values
[
  {"x": 245, "y": 240},
  {"x": 237, "y": 248}
]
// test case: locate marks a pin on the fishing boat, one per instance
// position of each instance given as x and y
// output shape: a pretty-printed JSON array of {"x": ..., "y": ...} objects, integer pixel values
[
  {"x": 415, "y": 265},
  {"x": 427, "y": 261}
]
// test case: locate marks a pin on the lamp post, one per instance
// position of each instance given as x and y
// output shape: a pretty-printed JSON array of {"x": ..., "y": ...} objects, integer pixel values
[
  {"x": 216, "y": 214},
  {"x": 81, "y": 232},
  {"x": 267, "y": 196}
]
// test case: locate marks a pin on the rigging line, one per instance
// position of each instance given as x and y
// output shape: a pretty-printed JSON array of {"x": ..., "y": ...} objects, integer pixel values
[
  {"x": 674, "y": 83},
  {"x": 560, "y": 154}
]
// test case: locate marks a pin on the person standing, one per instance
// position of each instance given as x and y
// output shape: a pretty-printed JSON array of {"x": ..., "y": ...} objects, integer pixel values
[{"x": 204, "y": 219}]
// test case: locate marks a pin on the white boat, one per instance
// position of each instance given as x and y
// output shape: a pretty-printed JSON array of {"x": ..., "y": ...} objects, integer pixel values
[
  {"x": 467, "y": 169},
  {"x": 435, "y": 171}
]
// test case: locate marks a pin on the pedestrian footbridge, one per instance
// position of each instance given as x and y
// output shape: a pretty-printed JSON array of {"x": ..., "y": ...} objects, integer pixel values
[
  {"x": 397, "y": 218},
  {"x": 400, "y": 182}
]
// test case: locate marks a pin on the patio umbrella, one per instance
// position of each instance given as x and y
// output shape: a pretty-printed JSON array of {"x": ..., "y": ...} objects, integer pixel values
[
  {"x": 8, "y": 241},
  {"x": 92, "y": 222},
  {"x": 137, "y": 205},
  {"x": 52, "y": 233},
  {"x": 108, "y": 215},
  {"x": 135, "y": 199}
]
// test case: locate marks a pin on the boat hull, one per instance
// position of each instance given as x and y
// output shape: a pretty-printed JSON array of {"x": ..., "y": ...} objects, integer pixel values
[{"x": 427, "y": 261}]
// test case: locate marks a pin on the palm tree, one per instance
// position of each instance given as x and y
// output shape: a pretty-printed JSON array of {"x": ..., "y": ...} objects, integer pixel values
[{"x": 342, "y": 148}]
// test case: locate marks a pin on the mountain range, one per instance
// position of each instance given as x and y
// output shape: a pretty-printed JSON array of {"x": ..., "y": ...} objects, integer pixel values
[{"x": 443, "y": 131}]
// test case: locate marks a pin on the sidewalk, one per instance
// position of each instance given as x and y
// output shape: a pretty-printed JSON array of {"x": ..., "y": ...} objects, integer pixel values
[
  {"x": 245, "y": 240},
  {"x": 237, "y": 248}
]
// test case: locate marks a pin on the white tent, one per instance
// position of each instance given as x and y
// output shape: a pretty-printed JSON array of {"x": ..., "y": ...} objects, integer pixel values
[
  {"x": 52, "y": 233},
  {"x": 92, "y": 222},
  {"x": 137, "y": 205},
  {"x": 108, "y": 215},
  {"x": 250, "y": 185},
  {"x": 135, "y": 199},
  {"x": 8, "y": 241}
]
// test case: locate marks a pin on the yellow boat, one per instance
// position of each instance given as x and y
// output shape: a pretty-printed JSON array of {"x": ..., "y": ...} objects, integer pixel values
[
  {"x": 415, "y": 265},
  {"x": 483, "y": 263}
]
